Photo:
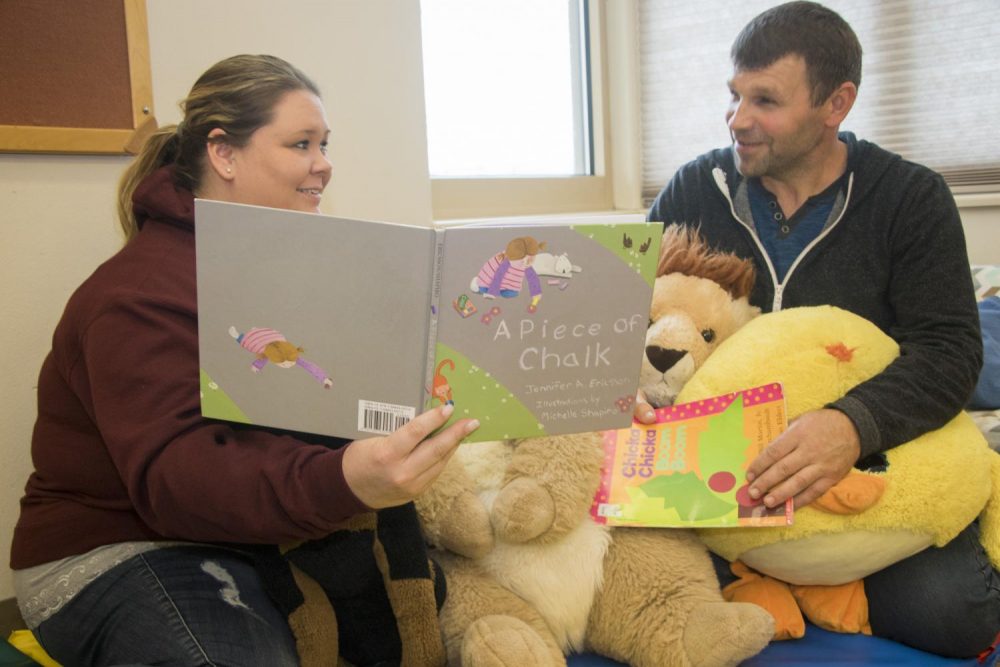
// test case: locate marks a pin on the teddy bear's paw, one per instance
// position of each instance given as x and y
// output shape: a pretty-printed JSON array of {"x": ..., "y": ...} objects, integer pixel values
[
  {"x": 468, "y": 531},
  {"x": 505, "y": 641},
  {"x": 522, "y": 511},
  {"x": 726, "y": 633}
]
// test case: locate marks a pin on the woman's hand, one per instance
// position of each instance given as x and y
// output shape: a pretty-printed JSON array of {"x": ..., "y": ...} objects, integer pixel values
[
  {"x": 643, "y": 412},
  {"x": 392, "y": 470}
]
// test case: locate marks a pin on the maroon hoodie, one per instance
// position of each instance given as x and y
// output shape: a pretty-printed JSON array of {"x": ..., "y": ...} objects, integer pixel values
[{"x": 120, "y": 449}]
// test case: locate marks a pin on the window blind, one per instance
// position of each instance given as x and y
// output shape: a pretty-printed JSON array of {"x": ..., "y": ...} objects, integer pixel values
[{"x": 930, "y": 82}]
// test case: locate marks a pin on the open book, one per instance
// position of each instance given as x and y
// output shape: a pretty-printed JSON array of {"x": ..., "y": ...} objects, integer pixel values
[
  {"x": 688, "y": 469},
  {"x": 350, "y": 327}
]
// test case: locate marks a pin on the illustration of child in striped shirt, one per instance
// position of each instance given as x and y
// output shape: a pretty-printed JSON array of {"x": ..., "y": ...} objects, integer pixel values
[
  {"x": 504, "y": 273},
  {"x": 271, "y": 346}
]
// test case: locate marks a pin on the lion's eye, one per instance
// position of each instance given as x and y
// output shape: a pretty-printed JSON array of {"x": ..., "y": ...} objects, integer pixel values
[{"x": 708, "y": 335}]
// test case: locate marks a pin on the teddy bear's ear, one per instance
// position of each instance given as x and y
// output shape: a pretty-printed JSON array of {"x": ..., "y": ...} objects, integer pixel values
[{"x": 683, "y": 250}]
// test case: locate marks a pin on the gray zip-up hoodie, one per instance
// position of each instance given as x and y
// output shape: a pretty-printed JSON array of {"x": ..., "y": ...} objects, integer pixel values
[{"x": 892, "y": 251}]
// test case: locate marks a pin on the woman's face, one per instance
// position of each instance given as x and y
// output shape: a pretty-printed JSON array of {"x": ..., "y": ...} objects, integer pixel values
[{"x": 284, "y": 165}]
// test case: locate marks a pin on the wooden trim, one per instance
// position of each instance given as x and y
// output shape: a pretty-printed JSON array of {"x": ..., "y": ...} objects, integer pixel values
[
  {"x": 38, "y": 139},
  {"x": 140, "y": 72},
  {"x": 31, "y": 139}
]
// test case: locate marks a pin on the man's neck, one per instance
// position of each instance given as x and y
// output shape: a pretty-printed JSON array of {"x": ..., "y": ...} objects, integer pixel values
[{"x": 816, "y": 175}]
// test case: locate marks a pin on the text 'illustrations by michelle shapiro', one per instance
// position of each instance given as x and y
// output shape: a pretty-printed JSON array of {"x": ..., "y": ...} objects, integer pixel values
[{"x": 543, "y": 333}]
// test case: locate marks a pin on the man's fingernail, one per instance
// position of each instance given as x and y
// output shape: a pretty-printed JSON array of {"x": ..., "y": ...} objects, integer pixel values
[
  {"x": 447, "y": 410},
  {"x": 769, "y": 501},
  {"x": 754, "y": 493},
  {"x": 750, "y": 476}
]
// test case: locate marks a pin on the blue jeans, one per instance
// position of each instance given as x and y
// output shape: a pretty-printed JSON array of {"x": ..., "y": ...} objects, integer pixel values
[
  {"x": 942, "y": 600},
  {"x": 172, "y": 606}
]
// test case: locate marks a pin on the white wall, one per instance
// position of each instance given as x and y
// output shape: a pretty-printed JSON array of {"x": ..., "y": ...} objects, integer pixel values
[{"x": 57, "y": 212}]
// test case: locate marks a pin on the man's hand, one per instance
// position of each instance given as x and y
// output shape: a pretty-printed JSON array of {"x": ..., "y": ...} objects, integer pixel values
[
  {"x": 817, "y": 451},
  {"x": 394, "y": 469}
]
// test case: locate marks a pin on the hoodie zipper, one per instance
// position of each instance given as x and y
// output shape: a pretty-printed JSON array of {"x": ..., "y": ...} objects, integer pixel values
[{"x": 779, "y": 287}]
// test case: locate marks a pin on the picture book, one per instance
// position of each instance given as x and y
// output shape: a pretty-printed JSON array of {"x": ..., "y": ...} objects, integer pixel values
[
  {"x": 687, "y": 469},
  {"x": 350, "y": 327}
]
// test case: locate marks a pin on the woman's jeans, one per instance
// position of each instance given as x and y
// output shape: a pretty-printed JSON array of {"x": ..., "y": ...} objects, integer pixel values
[
  {"x": 172, "y": 606},
  {"x": 944, "y": 601}
]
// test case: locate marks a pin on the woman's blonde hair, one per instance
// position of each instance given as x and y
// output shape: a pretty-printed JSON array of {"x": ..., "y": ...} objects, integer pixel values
[{"x": 236, "y": 95}]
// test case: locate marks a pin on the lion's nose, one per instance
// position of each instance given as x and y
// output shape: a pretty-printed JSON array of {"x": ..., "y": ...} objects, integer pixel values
[{"x": 663, "y": 358}]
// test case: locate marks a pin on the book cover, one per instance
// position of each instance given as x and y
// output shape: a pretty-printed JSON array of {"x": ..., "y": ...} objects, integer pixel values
[
  {"x": 350, "y": 327},
  {"x": 688, "y": 469}
]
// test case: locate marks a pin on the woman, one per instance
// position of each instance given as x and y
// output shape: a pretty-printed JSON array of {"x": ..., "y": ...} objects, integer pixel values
[{"x": 116, "y": 552}]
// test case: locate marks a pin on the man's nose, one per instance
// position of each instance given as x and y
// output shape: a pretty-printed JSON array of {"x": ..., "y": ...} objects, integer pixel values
[{"x": 737, "y": 117}]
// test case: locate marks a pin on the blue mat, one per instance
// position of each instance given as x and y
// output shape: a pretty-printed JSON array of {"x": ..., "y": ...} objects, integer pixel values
[{"x": 820, "y": 648}]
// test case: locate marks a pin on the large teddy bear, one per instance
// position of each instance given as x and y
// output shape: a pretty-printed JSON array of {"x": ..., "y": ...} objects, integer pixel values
[
  {"x": 531, "y": 577},
  {"x": 919, "y": 494}
]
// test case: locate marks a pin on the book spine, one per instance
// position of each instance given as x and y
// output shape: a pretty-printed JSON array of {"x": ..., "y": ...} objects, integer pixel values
[{"x": 434, "y": 308}]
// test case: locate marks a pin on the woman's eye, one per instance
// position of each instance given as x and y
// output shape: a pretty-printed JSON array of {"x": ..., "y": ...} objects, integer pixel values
[{"x": 324, "y": 146}]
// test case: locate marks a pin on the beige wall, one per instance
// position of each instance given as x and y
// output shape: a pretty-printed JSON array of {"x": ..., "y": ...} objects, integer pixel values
[
  {"x": 982, "y": 228},
  {"x": 56, "y": 212}
]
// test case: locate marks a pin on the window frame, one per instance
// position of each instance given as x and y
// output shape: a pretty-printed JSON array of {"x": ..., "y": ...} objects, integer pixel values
[{"x": 471, "y": 197}]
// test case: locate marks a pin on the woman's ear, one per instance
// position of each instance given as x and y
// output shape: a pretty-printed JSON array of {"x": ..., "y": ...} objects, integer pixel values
[{"x": 220, "y": 154}]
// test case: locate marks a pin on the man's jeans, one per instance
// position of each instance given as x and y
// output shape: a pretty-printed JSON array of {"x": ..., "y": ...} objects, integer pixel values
[
  {"x": 944, "y": 601},
  {"x": 172, "y": 606}
]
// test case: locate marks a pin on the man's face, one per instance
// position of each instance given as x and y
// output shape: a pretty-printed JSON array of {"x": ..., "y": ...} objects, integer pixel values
[{"x": 774, "y": 126}]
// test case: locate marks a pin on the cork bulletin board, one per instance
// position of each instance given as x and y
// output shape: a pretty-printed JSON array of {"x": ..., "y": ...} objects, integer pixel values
[{"x": 74, "y": 76}]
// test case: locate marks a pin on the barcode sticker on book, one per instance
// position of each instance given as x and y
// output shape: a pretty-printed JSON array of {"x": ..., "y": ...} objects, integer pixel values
[{"x": 382, "y": 418}]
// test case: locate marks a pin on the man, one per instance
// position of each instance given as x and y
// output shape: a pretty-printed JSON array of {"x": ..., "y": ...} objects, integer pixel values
[{"x": 829, "y": 219}]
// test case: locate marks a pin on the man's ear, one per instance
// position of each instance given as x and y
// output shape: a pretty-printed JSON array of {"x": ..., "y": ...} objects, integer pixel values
[
  {"x": 220, "y": 154},
  {"x": 841, "y": 102}
]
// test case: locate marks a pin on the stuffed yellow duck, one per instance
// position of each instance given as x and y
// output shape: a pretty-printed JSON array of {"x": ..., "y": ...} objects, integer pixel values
[{"x": 929, "y": 490}]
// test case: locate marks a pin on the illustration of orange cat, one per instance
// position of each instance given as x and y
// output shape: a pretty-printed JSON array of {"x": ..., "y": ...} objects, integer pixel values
[{"x": 440, "y": 388}]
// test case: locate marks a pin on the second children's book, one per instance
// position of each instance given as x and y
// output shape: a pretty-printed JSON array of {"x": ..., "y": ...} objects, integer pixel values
[
  {"x": 350, "y": 327},
  {"x": 688, "y": 469}
]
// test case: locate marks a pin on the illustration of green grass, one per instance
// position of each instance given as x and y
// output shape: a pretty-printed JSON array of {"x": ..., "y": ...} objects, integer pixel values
[
  {"x": 472, "y": 386},
  {"x": 217, "y": 404}
]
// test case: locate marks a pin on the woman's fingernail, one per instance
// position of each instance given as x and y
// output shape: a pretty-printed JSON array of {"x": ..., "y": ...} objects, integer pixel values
[
  {"x": 472, "y": 426},
  {"x": 447, "y": 410}
]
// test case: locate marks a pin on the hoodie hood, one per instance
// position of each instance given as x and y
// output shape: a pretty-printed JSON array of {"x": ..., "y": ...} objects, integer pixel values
[{"x": 159, "y": 197}]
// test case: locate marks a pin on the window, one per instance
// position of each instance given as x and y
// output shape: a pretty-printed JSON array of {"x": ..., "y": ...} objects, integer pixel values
[
  {"x": 511, "y": 126},
  {"x": 505, "y": 88},
  {"x": 930, "y": 82}
]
